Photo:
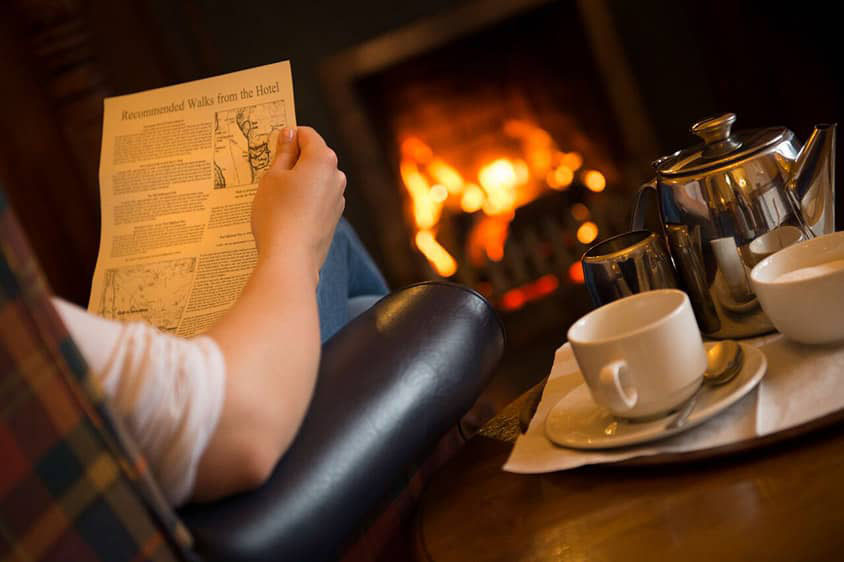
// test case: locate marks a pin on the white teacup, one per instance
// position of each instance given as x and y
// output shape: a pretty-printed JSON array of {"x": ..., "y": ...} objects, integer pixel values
[
  {"x": 641, "y": 356},
  {"x": 801, "y": 289}
]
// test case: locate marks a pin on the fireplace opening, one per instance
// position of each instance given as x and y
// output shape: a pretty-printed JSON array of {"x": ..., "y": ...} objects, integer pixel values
[
  {"x": 493, "y": 157},
  {"x": 503, "y": 146}
]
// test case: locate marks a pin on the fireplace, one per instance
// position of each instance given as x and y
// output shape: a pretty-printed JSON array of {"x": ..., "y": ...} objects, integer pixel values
[{"x": 498, "y": 141}]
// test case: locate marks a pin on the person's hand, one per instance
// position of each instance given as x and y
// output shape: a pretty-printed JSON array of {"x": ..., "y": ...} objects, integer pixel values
[{"x": 299, "y": 199}]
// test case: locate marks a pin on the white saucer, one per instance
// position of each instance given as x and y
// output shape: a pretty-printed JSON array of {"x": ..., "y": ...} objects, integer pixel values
[{"x": 577, "y": 422}]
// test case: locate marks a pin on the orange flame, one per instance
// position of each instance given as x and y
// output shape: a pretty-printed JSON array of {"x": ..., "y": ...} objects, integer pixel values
[
  {"x": 437, "y": 256},
  {"x": 498, "y": 178},
  {"x": 415, "y": 149},
  {"x": 594, "y": 180},
  {"x": 502, "y": 184},
  {"x": 487, "y": 238},
  {"x": 536, "y": 142},
  {"x": 518, "y": 297},
  {"x": 512, "y": 299},
  {"x": 587, "y": 232},
  {"x": 576, "y": 272},
  {"x": 439, "y": 193},
  {"x": 473, "y": 199},
  {"x": 446, "y": 175},
  {"x": 522, "y": 171},
  {"x": 560, "y": 178},
  {"x": 571, "y": 160},
  {"x": 426, "y": 210}
]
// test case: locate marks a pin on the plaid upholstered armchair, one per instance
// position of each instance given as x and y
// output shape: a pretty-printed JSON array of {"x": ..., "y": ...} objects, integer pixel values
[{"x": 74, "y": 487}]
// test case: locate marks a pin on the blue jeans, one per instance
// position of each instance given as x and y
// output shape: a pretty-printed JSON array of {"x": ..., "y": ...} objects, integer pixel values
[{"x": 349, "y": 281}]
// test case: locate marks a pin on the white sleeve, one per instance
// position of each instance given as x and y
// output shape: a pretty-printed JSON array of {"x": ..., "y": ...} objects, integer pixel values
[{"x": 168, "y": 390}]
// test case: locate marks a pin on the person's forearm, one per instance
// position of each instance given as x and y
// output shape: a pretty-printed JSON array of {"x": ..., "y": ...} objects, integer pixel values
[
  {"x": 270, "y": 341},
  {"x": 270, "y": 337},
  {"x": 274, "y": 323}
]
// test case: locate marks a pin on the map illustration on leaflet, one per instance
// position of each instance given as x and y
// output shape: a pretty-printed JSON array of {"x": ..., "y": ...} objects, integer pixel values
[
  {"x": 242, "y": 141},
  {"x": 155, "y": 292}
]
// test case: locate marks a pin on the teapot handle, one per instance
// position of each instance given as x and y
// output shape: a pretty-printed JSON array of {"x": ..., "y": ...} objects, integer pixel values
[{"x": 640, "y": 210}]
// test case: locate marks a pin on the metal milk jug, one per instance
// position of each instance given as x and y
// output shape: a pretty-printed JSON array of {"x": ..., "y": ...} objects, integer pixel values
[{"x": 732, "y": 200}]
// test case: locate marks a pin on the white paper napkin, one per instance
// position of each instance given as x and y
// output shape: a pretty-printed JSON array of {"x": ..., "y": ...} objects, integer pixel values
[{"x": 802, "y": 383}]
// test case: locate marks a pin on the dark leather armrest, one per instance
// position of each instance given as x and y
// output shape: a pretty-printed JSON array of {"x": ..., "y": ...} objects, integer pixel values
[{"x": 390, "y": 384}]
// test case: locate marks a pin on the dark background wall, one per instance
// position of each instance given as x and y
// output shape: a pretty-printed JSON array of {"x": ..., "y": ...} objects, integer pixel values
[{"x": 772, "y": 63}]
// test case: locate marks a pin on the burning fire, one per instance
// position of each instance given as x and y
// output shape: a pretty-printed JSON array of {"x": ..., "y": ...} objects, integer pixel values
[
  {"x": 493, "y": 189},
  {"x": 438, "y": 256},
  {"x": 516, "y": 298},
  {"x": 594, "y": 180},
  {"x": 587, "y": 232}
]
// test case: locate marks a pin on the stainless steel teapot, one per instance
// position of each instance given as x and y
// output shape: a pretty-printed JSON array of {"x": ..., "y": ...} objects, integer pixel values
[{"x": 729, "y": 202}]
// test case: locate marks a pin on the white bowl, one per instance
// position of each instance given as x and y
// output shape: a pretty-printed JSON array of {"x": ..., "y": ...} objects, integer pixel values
[{"x": 806, "y": 308}]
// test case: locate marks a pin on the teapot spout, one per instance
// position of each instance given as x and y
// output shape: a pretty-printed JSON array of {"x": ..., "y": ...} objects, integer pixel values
[{"x": 811, "y": 187}]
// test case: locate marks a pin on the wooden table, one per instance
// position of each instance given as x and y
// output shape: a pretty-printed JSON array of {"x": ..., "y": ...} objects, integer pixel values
[{"x": 781, "y": 502}]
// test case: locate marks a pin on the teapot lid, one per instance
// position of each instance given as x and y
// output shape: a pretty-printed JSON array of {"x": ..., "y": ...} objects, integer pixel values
[{"x": 720, "y": 146}]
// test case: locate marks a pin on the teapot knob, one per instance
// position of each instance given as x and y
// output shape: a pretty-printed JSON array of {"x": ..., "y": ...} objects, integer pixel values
[{"x": 714, "y": 129}]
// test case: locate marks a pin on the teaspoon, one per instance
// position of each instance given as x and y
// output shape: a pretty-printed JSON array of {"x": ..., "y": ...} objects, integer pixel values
[{"x": 723, "y": 362}]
